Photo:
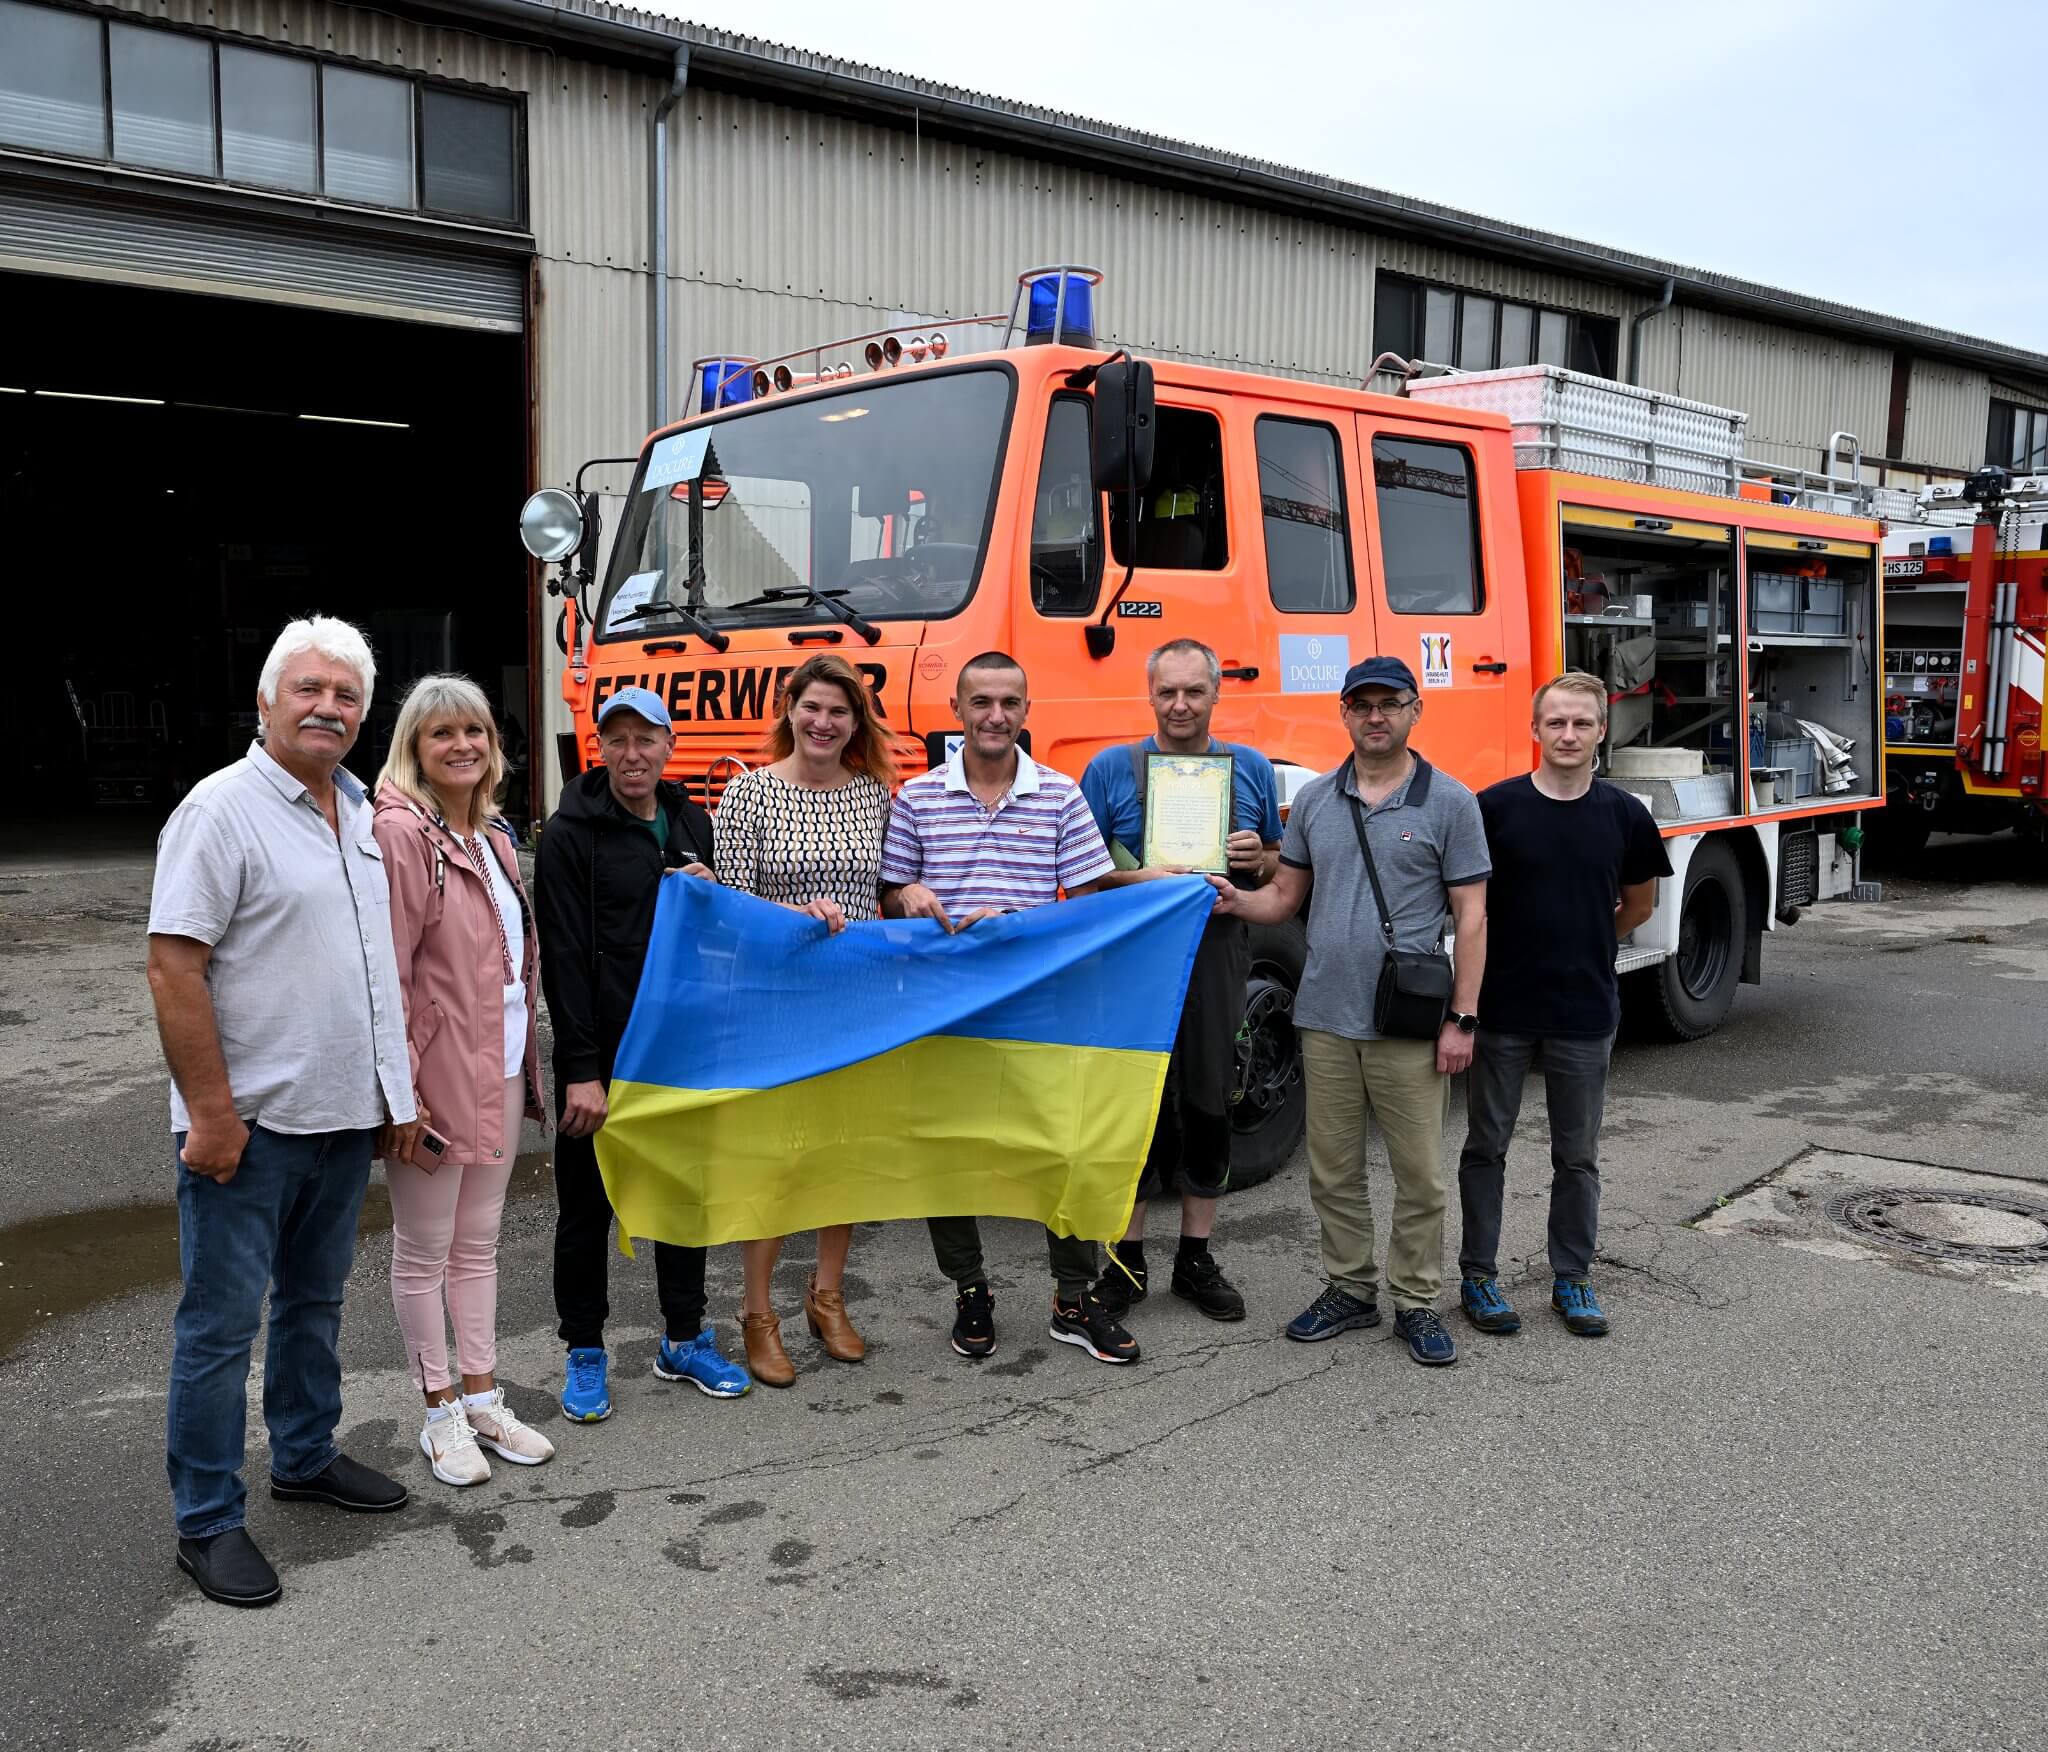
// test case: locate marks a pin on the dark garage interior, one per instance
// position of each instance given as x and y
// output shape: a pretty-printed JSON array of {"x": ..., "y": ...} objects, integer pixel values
[{"x": 180, "y": 475}]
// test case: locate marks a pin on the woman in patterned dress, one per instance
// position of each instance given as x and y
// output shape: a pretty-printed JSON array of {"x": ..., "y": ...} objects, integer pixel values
[{"x": 805, "y": 831}]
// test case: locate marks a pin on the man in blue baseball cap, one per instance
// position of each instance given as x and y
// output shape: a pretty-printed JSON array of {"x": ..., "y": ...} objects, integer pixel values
[
  {"x": 618, "y": 830},
  {"x": 1428, "y": 849}
]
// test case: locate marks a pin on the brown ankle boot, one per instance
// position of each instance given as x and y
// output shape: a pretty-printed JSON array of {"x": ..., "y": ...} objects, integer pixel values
[
  {"x": 826, "y": 1312},
  {"x": 767, "y": 1361}
]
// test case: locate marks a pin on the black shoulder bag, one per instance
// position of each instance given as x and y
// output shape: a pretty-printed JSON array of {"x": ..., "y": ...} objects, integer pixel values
[{"x": 1414, "y": 992}]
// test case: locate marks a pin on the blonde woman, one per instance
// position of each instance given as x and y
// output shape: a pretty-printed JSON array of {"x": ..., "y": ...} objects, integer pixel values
[
  {"x": 806, "y": 832},
  {"x": 468, "y": 963}
]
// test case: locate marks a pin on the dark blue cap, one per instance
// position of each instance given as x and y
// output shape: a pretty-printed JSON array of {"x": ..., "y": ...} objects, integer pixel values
[{"x": 1379, "y": 672}]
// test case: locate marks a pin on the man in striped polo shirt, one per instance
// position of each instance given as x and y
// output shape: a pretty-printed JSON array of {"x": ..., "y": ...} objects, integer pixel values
[{"x": 990, "y": 832}]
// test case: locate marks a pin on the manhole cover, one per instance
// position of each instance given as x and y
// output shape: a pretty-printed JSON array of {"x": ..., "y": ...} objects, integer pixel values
[{"x": 1947, "y": 1225}]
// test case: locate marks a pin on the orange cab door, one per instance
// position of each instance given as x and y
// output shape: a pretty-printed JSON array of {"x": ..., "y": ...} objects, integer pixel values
[
  {"x": 1446, "y": 578},
  {"x": 1194, "y": 563}
]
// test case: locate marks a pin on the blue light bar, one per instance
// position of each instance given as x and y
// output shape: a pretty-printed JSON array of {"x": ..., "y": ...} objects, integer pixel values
[
  {"x": 736, "y": 374},
  {"x": 1048, "y": 318},
  {"x": 1940, "y": 544}
]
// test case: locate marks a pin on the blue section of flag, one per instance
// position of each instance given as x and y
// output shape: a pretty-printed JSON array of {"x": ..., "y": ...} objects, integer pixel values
[{"x": 739, "y": 994}]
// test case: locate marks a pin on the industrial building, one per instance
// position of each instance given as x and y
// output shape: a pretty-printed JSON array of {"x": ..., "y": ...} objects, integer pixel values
[{"x": 302, "y": 298}]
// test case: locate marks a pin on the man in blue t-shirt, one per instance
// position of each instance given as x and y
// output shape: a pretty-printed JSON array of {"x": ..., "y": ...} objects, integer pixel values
[
  {"x": 1575, "y": 867},
  {"x": 1193, "y": 1135}
]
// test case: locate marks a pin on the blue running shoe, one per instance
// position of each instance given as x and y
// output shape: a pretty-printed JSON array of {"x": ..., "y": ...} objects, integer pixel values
[
  {"x": 1332, "y": 1312},
  {"x": 1574, "y": 1299},
  {"x": 703, "y": 1365},
  {"x": 587, "y": 1391},
  {"x": 1428, "y": 1342},
  {"x": 1486, "y": 1307}
]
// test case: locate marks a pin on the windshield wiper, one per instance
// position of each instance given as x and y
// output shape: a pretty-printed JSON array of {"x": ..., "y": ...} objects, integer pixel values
[
  {"x": 703, "y": 629},
  {"x": 828, "y": 600}
]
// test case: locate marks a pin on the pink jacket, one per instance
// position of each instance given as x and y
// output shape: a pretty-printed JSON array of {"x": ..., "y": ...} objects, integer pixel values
[{"x": 444, "y": 926}]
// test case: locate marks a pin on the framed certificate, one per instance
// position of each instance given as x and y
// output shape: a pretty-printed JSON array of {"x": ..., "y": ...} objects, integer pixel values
[{"x": 1188, "y": 808}]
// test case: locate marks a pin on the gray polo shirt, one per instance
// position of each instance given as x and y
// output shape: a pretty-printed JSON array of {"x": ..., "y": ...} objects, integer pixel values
[
  {"x": 303, "y": 977},
  {"x": 1427, "y": 838}
]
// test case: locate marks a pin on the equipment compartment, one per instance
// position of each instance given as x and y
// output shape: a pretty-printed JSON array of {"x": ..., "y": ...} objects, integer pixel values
[{"x": 1814, "y": 689}]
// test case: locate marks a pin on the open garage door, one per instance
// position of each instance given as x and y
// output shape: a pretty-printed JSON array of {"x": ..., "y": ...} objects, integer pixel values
[{"x": 180, "y": 475}]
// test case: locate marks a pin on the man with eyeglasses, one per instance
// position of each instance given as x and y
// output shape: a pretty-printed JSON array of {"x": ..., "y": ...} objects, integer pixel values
[{"x": 1429, "y": 847}]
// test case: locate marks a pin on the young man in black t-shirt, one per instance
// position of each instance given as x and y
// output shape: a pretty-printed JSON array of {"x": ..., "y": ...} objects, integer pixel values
[{"x": 1575, "y": 868}]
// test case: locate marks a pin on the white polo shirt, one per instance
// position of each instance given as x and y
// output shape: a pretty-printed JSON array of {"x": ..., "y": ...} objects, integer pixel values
[{"x": 303, "y": 977}]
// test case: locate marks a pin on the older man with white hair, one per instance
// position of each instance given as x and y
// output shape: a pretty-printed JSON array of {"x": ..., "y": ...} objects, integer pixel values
[{"x": 277, "y": 997}]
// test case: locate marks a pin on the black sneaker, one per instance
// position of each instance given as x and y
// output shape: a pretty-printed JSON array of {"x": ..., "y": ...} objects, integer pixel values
[
  {"x": 1200, "y": 1280},
  {"x": 347, "y": 1485},
  {"x": 1094, "y": 1328},
  {"x": 1115, "y": 1291},
  {"x": 228, "y": 1568},
  {"x": 974, "y": 1326}
]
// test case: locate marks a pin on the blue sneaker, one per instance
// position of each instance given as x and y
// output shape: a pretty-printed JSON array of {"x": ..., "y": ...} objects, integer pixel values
[
  {"x": 1428, "y": 1342},
  {"x": 703, "y": 1365},
  {"x": 587, "y": 1391},
  {"x": 1574, "y": 1299},
  {"x": 1486, "y": 1307},
  {"x": 1332, "y": 1312}
]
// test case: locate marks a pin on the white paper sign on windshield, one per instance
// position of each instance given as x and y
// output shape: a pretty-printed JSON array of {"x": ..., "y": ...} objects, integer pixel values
[
  {"x": 678, "y": 457},
  {"x": 636, "y": 592}
]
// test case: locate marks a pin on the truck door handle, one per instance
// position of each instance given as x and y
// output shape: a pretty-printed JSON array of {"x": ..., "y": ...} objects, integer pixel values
[
  {"x": 1489, "y": 669},
  {"x": 1245, "y": 672}
]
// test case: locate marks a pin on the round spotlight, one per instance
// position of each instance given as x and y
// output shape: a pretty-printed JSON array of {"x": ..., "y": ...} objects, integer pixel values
[
  {"x": 874, "y": 355},
  {"x": 939, "y": 345},
  {"x": 892, "y": 351},
  {"x": 762, "y": 384},
  {"x": 551, "y": 525},
  {"x": 782, "y": 379}
]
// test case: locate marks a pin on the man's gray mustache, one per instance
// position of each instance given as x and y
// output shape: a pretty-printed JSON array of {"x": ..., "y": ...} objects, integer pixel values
[{"x": 316, "y": 723}]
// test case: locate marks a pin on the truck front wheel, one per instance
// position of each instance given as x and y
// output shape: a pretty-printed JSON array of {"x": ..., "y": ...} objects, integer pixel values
[
  {"x": 1270, "y": 1109},
  {"x": 1689, "y": 994}
]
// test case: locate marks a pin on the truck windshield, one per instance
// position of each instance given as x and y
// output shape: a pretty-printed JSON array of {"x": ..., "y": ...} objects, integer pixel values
[{"x": 878, "y": 497}]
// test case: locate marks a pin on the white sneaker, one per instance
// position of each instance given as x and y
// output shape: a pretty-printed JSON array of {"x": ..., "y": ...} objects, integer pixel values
[
  {"x": 498, "y": 1428},
  {"x": 450, "y": 1447}
]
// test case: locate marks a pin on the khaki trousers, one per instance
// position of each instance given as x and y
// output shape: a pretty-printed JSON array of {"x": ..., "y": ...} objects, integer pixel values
[{"x": 1397, "y": 1082}]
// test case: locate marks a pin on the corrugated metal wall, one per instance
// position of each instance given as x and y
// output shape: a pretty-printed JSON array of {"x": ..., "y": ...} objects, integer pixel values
[
  {"x": 791, "y": 225},
  {"x": 1796, "y": 387}
]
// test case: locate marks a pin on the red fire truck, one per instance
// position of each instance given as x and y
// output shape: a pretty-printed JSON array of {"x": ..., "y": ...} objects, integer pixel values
[{"x": 1966, "y": 607}]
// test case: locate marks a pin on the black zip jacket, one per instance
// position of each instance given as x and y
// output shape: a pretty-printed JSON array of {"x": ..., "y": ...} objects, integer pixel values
[{"x": 596, "y": 878}]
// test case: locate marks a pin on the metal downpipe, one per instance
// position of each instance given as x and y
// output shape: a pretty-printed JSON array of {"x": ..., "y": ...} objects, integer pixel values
[
  {"x": 1635, "y": 328},
  {"x": 658, "y": 372}
]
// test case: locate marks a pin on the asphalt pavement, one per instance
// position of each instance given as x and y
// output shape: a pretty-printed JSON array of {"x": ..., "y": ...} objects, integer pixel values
[{"x": 1791, "y": 1502}]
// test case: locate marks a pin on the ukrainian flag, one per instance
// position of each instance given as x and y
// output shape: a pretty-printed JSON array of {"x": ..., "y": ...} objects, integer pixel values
[{"x": 775, "y": 1078}]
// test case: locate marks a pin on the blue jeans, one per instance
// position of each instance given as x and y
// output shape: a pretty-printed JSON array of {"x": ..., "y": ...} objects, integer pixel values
[{"x": 286, "y": 1222}]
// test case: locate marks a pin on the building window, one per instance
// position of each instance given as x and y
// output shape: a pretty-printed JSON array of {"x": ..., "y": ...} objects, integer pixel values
[
  {"x": 163, "y": 99},
  {"x": 469, "y": 154},
  {"x": 53, "y": 91},
  {"x": 1301, "y": 498},
  {"x": 1180, "y": 518},
  {"x": 268, "y": 111},
  {"x": 1477, "y": 332},
  {"x": 1429, "y": 526},
  {"x": 366, "y": 145},
  {"x": 263, "y": 118},
  {"x": 2019, "y": 438}
]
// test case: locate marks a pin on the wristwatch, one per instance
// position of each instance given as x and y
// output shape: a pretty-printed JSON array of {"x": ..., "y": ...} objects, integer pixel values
[{"x": 1467, "y": 1023}]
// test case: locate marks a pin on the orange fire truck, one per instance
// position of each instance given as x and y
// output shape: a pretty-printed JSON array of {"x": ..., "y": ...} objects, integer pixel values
[
  {"x": 910, "y": 501},
  {"x": 1966, "y": 608}
]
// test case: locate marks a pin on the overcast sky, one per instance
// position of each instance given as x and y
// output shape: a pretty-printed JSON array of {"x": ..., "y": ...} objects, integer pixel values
[{"x": 1871, "y": 151}]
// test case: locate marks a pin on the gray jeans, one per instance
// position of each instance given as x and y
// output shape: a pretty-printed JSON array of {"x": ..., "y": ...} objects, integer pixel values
[{"x": 1574, "y": 1090}]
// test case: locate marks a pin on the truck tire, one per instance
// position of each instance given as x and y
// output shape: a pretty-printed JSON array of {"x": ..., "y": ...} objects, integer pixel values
[
  {"x": 1689, "y": 994},
  {"x": 1271, "y": 1111}
]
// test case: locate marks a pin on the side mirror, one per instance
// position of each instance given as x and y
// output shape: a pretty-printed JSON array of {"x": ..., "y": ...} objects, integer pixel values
[
  {"x": 1126, "y": 423},
  {"x": 552, "y": 525}
]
